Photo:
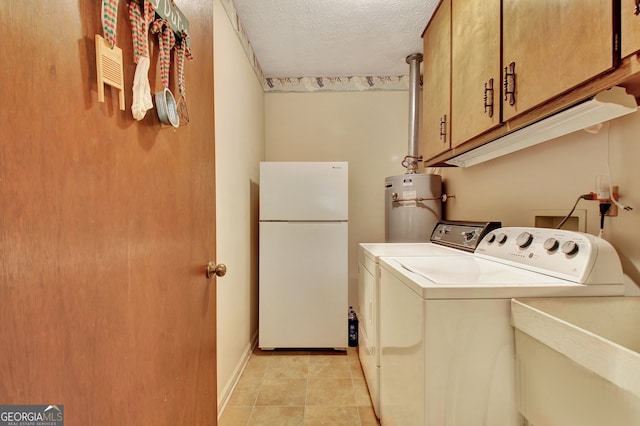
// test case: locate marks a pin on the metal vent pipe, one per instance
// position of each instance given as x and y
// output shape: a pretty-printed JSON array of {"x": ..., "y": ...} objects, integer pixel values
[{"x": 414, "y": 111}]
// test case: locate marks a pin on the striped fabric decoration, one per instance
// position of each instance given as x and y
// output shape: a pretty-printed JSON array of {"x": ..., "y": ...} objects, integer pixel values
[
  {"x": 166, "y": 42},
  {"x": 140, "y": 27},
  {"x": 110, "y": 20},
  {"x": 183, "y": 52}
]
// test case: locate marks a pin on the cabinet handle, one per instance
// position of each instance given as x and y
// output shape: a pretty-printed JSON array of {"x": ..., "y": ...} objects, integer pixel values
[
  {"x": 510, "y": 83},
  {"x": 443, "y": 129},
  {"x": 488, "y": 97}
]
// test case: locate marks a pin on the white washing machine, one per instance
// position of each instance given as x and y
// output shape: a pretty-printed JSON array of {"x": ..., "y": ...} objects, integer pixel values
[
  {"x": 449, "y": 238},
  {"x": 447, "y": 345}
]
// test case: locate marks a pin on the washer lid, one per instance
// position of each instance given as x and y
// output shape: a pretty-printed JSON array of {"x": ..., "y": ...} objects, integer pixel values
[
  {"x": 474, "y": 278},
  {"x": 471, "y": 271},
  {"x": 376, "y": 250}
]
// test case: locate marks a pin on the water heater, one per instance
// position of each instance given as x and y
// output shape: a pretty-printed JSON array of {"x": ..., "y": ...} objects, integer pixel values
[{"x": 413, "y": 206}]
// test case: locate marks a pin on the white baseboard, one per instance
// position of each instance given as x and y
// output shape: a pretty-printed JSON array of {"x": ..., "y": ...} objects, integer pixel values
[{"x": 223, "y": 398}]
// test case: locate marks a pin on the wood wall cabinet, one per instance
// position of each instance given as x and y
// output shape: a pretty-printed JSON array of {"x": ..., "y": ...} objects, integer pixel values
[
  {"x": 630, "y": 27},
  {"x": 436, "y": 102},
  {"x": 554, "y": 46},
  {"x": 550, "y": 55},
  {"x": 475, "y": 68}
]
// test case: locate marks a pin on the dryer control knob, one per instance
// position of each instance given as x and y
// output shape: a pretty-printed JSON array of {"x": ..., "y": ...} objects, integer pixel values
[
  {"x": 569, "y": 247},
  {"x": 550, "y": 244},
  {"x": 490, "y": 238},
  {"x": 524, "y": 239},
  {"x": 502, "y": 238}
]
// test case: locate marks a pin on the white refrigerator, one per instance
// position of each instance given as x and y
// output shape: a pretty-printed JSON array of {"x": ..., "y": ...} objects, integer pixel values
[{"x": 303, "y": 278}]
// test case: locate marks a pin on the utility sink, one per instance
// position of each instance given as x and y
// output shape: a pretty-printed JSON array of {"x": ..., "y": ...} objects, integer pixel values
[{"x": 578, "y": 360}]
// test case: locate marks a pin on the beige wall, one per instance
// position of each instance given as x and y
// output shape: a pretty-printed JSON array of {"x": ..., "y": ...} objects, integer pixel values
[
  {"x": 551, "y": 176},
  {"x": 367, "y": 129},
  {"x": 239, "y": 109}
]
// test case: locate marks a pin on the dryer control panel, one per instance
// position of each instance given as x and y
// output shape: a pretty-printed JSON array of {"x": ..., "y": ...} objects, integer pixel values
[
  {"x": 575, "y": 256},
  {"x": 461, "y": 235}
]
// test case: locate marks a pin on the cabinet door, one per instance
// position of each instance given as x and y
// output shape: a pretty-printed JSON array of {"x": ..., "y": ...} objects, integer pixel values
[
  {"x": 475, "y": 67},
  {"x": 554, "y": 46},
  {"x": 437, "y": 83},
  {"x": 630, "y": 28}
]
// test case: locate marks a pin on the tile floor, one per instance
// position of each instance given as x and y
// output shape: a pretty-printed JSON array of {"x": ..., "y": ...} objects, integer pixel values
[{"x": 301, "y": 388}]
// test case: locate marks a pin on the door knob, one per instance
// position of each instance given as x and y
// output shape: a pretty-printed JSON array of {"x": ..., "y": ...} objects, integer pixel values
[{"x": 214, "y": 269}]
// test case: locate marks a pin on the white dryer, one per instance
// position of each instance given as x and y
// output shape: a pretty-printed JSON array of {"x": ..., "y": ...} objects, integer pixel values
[
  {"x": 447, "y": 345},
  {"x": 448, "y": 239}
]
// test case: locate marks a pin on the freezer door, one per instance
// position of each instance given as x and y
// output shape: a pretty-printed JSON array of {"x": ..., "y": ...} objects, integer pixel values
[
  {"x": 303, "y": 191},
  {"x": 303, "y": 285}
]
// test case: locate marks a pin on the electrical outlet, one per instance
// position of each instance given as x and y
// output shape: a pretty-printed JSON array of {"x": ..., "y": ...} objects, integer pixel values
[{"x": 613, "y": 211}]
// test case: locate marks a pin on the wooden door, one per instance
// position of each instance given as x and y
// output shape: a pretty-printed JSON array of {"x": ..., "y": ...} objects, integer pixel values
[
  {"x": 475, "y": 68},
  {"x": 630, "y": 27},
  {"x": 106, "y": 226},
  {"x": 555, "y": 46},
  {"x": 436, "y": 91}
]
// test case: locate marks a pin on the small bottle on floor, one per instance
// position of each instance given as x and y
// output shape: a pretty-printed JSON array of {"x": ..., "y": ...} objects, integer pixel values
[{"x": 353, "y": 328}]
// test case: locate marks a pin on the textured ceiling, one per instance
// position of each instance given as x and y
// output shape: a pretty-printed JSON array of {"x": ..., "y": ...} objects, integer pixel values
[{"x": 329, "y": 38}]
